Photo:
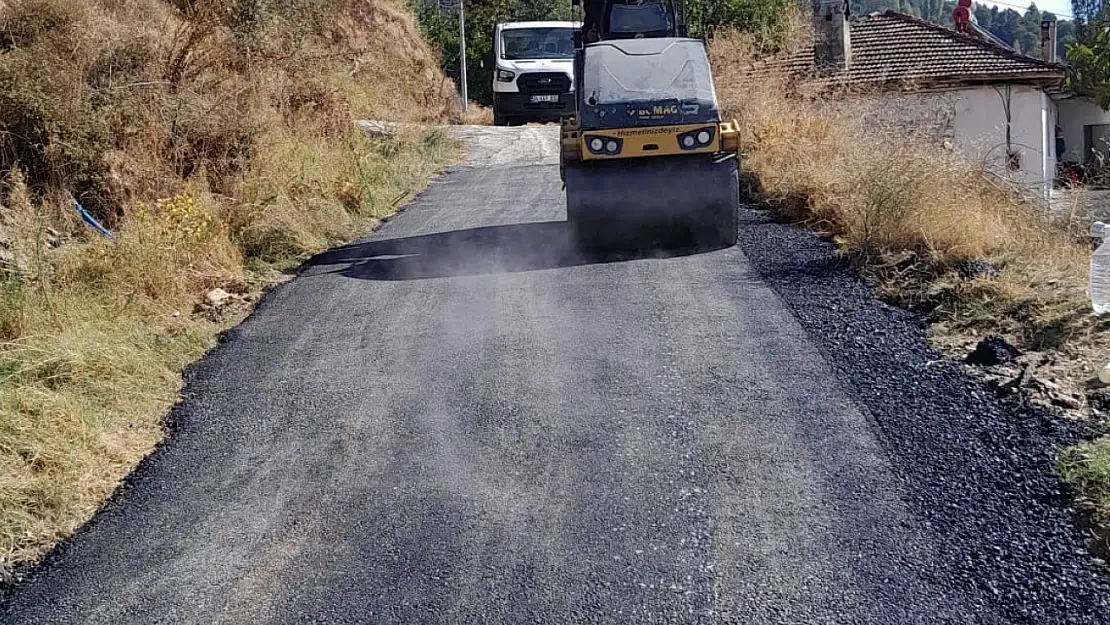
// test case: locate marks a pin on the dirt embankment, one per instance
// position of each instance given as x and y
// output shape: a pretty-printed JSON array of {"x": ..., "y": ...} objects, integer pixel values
[{"x": 215, "y": 141}]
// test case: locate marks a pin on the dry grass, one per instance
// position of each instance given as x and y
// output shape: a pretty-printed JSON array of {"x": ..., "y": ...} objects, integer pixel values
[
  {"x": 217, "y": 152},
  {"x": 476, "y": 115},
  {"x": 909, "y": 207},
  {"x": 912, "y": 213}
]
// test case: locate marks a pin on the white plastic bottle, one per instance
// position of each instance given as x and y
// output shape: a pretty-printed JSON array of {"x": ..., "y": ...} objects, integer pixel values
[
  {"x": 1099, "y": 286},
  {"x": 1104, "y": 374}
]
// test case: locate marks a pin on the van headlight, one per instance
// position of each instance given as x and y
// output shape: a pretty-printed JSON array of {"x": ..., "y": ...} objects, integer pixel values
[{"x": 505, "y": 75}]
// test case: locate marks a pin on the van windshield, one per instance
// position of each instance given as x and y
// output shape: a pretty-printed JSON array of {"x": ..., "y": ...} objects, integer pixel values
[{"x": 537, "y": 43}]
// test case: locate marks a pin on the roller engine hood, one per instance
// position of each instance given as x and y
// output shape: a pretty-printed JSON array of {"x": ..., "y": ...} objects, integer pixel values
[{"x": 647, "y": 82}]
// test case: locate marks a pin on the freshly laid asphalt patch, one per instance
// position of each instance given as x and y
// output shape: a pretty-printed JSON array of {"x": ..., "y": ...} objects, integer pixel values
[{"x": 464, "y": 419}]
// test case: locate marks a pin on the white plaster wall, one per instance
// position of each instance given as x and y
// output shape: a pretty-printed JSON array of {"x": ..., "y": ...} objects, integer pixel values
[
  {"x": 981, "y": 130},
  {"x": 1074, "y": 114},
  {"x": 1052, "y": 159}
]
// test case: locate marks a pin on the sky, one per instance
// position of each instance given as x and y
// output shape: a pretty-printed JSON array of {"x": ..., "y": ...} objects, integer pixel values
[{"x": 1062, "y": 8}]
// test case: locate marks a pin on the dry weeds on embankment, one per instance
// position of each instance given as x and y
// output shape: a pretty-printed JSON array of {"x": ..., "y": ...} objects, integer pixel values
[
  {"x": 917, "y": 217},
  {"x": 215, "y": 139}
]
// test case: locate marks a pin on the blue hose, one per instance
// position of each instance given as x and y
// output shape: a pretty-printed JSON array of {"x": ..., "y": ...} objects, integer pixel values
[{"x": 89, "y": 219}]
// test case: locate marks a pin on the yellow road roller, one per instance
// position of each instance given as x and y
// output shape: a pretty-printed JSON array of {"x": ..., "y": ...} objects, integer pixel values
[{"x": 645, "y": 158}]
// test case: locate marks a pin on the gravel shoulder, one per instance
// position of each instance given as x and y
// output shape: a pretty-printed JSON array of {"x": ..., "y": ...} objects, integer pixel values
[{"x": 980, "y": 465}]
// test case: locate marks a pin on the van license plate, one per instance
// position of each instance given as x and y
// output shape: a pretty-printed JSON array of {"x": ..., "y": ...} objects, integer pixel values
[{"x": 545, "y": 98}]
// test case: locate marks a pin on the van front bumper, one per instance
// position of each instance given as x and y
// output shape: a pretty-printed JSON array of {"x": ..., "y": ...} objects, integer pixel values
[{"x": 520, "y": 106}]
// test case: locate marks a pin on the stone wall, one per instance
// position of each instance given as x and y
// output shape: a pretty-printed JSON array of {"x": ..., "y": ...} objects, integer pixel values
[{"x": 930, "y": 116}]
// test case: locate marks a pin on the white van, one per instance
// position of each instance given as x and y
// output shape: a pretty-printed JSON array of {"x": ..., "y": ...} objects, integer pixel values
[{"x": 533, "y": 71}]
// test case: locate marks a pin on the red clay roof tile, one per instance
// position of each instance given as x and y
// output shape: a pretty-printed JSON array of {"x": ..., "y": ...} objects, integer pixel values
[{"x": 892, "y": 47}]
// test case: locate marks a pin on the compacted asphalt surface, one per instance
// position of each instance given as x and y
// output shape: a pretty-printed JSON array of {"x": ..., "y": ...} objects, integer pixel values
[{"x": 466, "y": 419}]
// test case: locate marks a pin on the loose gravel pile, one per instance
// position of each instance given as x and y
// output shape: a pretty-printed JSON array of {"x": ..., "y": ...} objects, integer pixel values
[
  {"x": 979, "y": 466},
  {"x": 991, "y": 351}
]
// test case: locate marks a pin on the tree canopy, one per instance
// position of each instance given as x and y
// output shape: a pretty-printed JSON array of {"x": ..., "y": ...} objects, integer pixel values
[
  {"x": 1021, "y": 31},
  {"x": 1089, "y": 55}
]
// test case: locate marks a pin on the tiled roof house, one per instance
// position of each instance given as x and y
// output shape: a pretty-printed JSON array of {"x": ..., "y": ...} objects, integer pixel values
[{"x": 974, "y": 85}]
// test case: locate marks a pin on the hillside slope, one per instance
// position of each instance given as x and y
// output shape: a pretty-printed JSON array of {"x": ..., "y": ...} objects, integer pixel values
[{"x": 214, "y": 140}]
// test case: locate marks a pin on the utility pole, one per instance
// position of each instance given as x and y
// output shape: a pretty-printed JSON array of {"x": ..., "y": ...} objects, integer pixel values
[{"x": 462, "y": 51}]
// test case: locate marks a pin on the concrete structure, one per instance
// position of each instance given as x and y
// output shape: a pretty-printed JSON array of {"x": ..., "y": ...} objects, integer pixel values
[
  {"x": 1082, "y": 126},
  {"x": 1085, "y": 130}
]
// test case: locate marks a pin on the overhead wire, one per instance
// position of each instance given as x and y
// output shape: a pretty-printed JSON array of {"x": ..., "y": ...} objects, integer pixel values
[{"x": 1025, "y": 7}]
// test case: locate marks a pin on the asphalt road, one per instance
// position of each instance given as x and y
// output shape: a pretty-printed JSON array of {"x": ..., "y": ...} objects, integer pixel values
[{"x": 463, "y": 419}]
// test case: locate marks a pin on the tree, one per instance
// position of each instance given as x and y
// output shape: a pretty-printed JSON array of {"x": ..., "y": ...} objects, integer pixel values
[
  {"x": 442, "y": 30},
  {"x": 1008, "y": 26},
  {"x": 1089, "y": 60},
  {"x": 1089, "y": 55},
  {"x": 756, "y": 16},
  {"x": 1065, "y": 34},
  {"x": 1027, "y": 32},
  {"x": 1087, "y": 13}
]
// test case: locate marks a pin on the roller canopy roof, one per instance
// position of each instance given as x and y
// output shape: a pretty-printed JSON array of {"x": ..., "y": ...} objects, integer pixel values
[{"x": 647, "y": 82}]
